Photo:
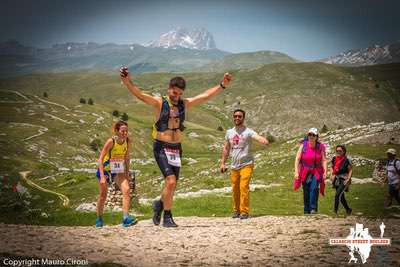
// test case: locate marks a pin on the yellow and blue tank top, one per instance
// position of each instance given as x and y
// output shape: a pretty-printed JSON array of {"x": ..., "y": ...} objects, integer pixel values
[{"x": 117, "y": 151}]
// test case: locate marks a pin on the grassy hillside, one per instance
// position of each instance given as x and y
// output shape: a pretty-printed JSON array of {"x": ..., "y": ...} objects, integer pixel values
[
  {"x": 249, "y": 60},
  {"x": 284, "y": 99},
  {"x": 51, "y": 136}
]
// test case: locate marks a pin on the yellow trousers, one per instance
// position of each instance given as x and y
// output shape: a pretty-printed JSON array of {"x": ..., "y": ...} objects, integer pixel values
[{"x": 240, "y": 189}]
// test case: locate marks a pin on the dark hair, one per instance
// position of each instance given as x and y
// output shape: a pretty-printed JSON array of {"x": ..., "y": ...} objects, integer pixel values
[
  {"x": 177, "y": 82},
  {"x": 306, "y": 139},
  {"x": 343, "y": 148},
  {"x": 240, "y": 110},
  {"x": 118, "y": 125}
]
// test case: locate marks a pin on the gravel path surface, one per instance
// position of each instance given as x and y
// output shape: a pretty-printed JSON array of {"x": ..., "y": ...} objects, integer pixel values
[{"x": 258, "y": 241}]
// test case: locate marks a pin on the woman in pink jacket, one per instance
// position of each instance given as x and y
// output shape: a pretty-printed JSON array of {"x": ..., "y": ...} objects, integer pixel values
[{"x": 311, "y": 170}]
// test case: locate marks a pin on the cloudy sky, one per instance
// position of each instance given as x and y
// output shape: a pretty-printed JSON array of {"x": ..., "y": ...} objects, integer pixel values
[{"x": 306, "y": 30}]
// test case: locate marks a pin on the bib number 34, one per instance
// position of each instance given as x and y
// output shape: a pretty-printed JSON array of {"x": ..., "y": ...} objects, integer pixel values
[{"x": 117, "y": 165}]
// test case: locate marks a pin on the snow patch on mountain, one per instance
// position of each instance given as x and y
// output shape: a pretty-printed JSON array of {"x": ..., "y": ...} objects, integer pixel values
[
  {"x": 199, "y": 39},
  {"x": 375, "y": 54}
]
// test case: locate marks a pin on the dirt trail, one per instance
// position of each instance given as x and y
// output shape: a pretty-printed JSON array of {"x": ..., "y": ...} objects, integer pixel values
[
  {"x": 62, "y": 197},
  {"x": 258, "y": 241},
  {"x": 51, "y": 103}
]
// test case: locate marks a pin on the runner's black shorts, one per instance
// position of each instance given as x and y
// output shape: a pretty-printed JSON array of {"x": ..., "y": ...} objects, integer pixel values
[{"x": 162, "y": 160}]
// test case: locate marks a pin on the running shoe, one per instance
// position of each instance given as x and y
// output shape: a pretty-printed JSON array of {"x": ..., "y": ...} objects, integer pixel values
[
  {"x": 244, "y": 216},
  {"x": 128, "y": 221},
  {"x": 168, "y": 221},
  {"x": 236, "y": 215},
  {"x": 348, "y": 212},
  {"x": 99, "y": 222},
  {"x": 157, "y": 210}
]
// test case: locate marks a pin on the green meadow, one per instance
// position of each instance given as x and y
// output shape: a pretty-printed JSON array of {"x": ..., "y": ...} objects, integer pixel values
[{"x": 53, "y": 137}]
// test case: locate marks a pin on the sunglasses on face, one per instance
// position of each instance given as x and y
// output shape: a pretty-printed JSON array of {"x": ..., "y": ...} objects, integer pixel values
[
  {"x": 238, "y": 116},
  {"x": 313, "y": 135},
  {"x": 339, "y": 151}
]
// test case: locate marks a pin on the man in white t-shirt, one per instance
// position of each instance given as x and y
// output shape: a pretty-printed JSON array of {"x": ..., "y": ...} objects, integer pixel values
[
  {"x": 393, "y": 176},
  {"x": 238, "y": 144}
]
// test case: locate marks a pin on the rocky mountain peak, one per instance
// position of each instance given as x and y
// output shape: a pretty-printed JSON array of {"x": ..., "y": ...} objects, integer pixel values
[
  {"x": 374, "y": 54},
  {"x": 199, "y": 39}
]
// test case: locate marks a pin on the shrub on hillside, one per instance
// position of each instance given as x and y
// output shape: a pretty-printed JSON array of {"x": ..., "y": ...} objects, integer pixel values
[
  {"x": 124, "y": 117},
  {"x": 115, "y": 113},
  {"x": 324, "y": 129},
  {"x": 270, "y": 138},
  {"x": 95, "y": 144},
  {"x": 82, "y": 101},
  {"x": 90, "y": 101}
]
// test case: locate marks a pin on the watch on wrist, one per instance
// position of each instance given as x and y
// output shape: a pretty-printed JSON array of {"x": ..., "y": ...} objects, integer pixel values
[{"x": 221, "y": 85}]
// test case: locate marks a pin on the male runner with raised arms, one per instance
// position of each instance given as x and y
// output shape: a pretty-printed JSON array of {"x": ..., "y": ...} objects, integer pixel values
[{"x": 167, "y": 134}]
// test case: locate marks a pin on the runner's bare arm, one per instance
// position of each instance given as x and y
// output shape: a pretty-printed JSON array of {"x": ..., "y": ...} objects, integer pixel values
[
  {"x": 350, "y": 172},
  {"x": 324, "y": 164},
  {"x": 134, "y": 89},
  {"x": 349, "y": 175},
  {"x": 201, "y": 98},
  {"x": 297, "y": 162},
  {"x": 260, "y": 139},
  {"x": 225, "y": 152},
  {"x": 107, "y": 146},
  {"x": 225, "y": 155}
]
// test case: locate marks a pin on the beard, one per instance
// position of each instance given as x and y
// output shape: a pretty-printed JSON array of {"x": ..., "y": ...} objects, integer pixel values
[{"x": 174, "y": 99}]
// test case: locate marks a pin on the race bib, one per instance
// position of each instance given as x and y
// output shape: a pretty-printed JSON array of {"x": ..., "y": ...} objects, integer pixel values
[
  {"x": 117, "y": 165},
  {"x": 173, "y": 157}
]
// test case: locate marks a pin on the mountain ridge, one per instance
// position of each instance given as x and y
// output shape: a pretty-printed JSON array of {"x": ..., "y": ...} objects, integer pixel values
[
  {"x": 372, "y": 55},
  {"x": 17, "y": 59},
  {"x": 197, "y": 39}
]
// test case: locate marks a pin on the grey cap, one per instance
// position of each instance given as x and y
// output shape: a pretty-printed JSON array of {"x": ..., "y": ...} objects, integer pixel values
[{"x": 391, "y": 151}]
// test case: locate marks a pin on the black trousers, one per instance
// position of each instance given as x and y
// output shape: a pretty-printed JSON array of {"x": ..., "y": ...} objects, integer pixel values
[
  {"x": 339, "y": 196},
  {"x": 393, "y": 193}
]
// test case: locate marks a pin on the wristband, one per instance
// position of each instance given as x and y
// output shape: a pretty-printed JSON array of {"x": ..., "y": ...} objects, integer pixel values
[{"x": 221, "y": 85}]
